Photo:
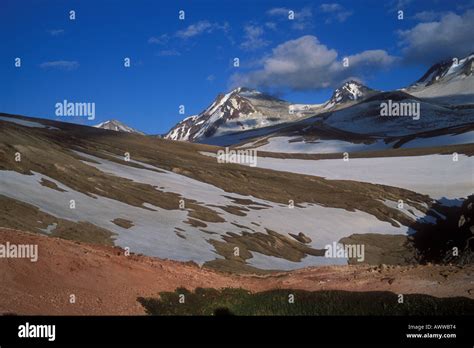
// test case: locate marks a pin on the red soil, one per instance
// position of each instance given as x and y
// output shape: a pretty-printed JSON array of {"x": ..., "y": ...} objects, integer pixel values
[{"x": 106, "y": 282}]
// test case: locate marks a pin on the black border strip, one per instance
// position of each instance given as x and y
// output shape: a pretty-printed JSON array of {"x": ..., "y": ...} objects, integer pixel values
[{"x": 139, "y": 330}]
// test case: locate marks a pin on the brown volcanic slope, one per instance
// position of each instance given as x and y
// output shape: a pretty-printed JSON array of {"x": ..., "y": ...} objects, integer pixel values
[{"x": 105, "y": 281}]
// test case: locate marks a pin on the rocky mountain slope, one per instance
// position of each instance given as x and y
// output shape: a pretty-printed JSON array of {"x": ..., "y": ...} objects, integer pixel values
[
  {"x": 239, "y": 110},
  {"x": 450, "y": 82}
]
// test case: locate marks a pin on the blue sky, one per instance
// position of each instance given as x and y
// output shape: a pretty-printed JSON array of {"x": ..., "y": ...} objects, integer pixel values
[{"x": 188, "y": 62}]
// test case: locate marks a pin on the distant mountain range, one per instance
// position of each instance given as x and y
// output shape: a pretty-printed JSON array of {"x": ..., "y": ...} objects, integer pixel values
[{"x": 244, "y": 114}]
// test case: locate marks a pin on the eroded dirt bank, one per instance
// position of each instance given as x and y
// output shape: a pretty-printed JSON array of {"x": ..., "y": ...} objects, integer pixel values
[{"x": 106, "y": 282}]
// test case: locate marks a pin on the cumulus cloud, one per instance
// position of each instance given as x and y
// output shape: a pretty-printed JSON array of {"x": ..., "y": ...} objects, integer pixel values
[
  {"x": 433, "y": 41},
  {"x": 307, "y": 64},
  {"x": 253, "y": 38},
  {"x": 61, "y": 65}
]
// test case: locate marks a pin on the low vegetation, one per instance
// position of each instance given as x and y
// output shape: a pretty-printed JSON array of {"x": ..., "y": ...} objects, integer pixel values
[{"x": 278, "y": 302}]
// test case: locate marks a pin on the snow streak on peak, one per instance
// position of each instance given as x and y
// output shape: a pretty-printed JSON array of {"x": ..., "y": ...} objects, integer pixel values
[
  {"x": 449, "y": 82},
  {"x": 241, "y": 109},
  {"x": 350, "y": 91},
  {"x": 447, "y": 69},
  {"x": 117, "y": 126}
]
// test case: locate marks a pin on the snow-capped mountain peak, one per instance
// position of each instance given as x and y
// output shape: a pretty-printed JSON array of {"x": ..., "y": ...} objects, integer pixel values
[
  {"x": 244, "y": 109},
  {"x": 449, "y": 82},
  {"x": 354, "y": 89},
  {"x": 243, "y": 113},
  {"x": 446, "y": 70},
  {"x": 350, "y": 91},
  {"x": 244, "y": 90},
  {"x": 241, "y": 109},
  {"x": 117, "y": 126}
]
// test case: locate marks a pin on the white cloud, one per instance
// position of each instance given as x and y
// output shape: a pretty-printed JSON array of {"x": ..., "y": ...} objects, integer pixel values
[
  {"x": 159, "y": 40},
  {"x": 253, "y": 38},
  {"x": 61, "y": 65},
  {"x": 401, "y": 4},
  {"x": 200, "y": 28},
  {"x": 271, "y": 25},
  {"x": 191, "y": 31},
  {"x": 168, "y": 53},
  {"x": 396, "y": 5},
  {"x": 278, "y": 11},
  {"x": 426, "y": 16},
  {"x": 56, "y": 32},
  {"x": 306, "y": 64},
  {"x": 195, "y": 29},
  {"x": 302, "y": 18},
  {"x": 331, "y": 7},
  {"x": 335, "y": 12},
  {"x": 432, "y": 41}
]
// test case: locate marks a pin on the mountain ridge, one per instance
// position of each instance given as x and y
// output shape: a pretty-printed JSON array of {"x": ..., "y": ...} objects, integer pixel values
[
  {"x": 241, "y": 103},
  {"x": 444, "y": 84},
  {"x": 117, "y": 126}
]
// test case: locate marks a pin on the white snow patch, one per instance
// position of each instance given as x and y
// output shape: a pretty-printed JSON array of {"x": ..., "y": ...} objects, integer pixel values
[
  {"x": 441, "y": 140},
  {"x": 274, "y": 263},
  {"x": 435, "y": 175},
  {"x": 49, "y": 229},
  {"x": 290, "y": 145},
  {"x": 25, "y": 123}
]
